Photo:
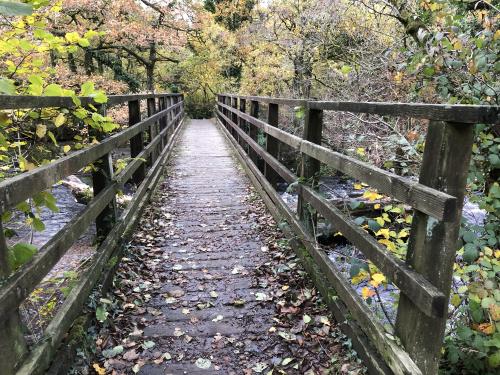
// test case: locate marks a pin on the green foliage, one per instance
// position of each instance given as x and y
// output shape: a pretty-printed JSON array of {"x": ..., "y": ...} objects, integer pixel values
[{"x": 20, "y": 254}]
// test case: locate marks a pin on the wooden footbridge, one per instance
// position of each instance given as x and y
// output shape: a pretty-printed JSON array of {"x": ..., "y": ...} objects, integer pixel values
[{"x": 204, "y": 188}]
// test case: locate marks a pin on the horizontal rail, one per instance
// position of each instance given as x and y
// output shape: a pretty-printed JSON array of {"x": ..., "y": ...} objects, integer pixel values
[
  {"x": 270, "y": 100},
  {"x": 24, "y": 281},
  {"x": 28, "y": 101},
  {"x": 430, "y": 201},
  {"x": 471, "y": 114},
  {"x": 41, "y": 356},
  {"x": 396, "y": 358},
  {"x": 18, "y": 188},
  {"x": 425, "y": 295},
  {"x": 462, "y": 113}
]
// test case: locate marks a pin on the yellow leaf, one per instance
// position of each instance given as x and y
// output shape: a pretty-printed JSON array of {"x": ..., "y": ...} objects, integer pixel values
[
  {"x": 497, "y": 254},
  {"x": 72, "y": 37},
  {"x": 66, "y": 149},
  {"x": 377, "y": 206},
  {"x": 59, "y": 120},
  {"x": 361, "y": 276},
  {"x": 371, "y": 195},
  {"x": 377, "y": 279},
  {"x": 390, "y": 245},
  {"x": 360, "y": 151},
  {"x": 404, "y": 233},
  {"x": 384, "y": 232},
  {"x": 99, "y": 369},
  {"x": 495, "y": 311},
  {"x": 41, "y": 130},
  {"x": 358, "y": 186},
  {"x": 380, "y": 221},
  {"x": 455, "y": 300},
  {"x": 367, "y": 292}
]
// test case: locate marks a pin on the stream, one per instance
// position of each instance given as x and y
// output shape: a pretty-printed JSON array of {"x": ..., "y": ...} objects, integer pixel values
[{"x": 340, "y": 251}]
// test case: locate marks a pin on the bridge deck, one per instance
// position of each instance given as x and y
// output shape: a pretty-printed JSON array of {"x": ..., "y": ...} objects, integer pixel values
[{"x": 209, "y": 284}]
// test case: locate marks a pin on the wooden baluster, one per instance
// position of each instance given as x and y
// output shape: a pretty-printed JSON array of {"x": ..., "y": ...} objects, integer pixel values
[
  {"x": 163, "y": 104},
  {"x": 242, "y": 123},
  {"x": 137, "y": 141},
  {"x": 234, "y": 118},
  {"x": 13, "y": 346},
  {"x": 433, "y": 244},
  {"x": 310, "y": 167},
  {"x": 153, "y": 131},
  {"x": 254, "y": 112},
  {"x": 102, "y": 177},
  {"x": 272, "y": 144}
]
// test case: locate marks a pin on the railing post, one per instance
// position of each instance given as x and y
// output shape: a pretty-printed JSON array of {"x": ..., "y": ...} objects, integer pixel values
[
  {"x": 102, "y": 177},
  {"x": 234, "y": 118},
  {"x": 242, "y": 123},
  {"x": 137, "y": 141},
  {"x": 12, "y": 343},
  {"x": 432, "y": 246},
  {"x": 310, "y": 167},
  {"x": 254, "y": 112},
  {"x": 272, "y": 144},
  {"x": 153, "y": 129}
]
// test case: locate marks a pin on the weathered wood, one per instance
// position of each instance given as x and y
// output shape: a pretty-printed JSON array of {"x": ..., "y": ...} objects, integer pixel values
[
  {"x": 471, "y": 114},
  {"x": 153, "y": 128},
  {"x": 254, "y": 113},
  {"x": 279, "y": 168},
  {"x": 269, "y": 100},
  {"x": 241, "y": 122},
  {"x": 426, "y": 296},
  {"x": 433, "y": 244},
  {"x": 234, "y": 115},
  {"x": 310, "y": 166},
  {"x": 18, "y": 188},
  {"x": 272, "y": 145},
  {"x": 396, "y": 358},
  {"x": 102, "y": 176},
  {"x": 28, "y": 101},
  {"x": 137, "y": 141},
  {"x": 13, "y": 346},
  {"x": 41, "y": 356},
  {"x": 24, "y": 281}
]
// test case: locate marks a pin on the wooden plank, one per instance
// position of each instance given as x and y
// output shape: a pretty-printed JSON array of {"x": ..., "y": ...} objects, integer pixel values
[
  {"x": 23, "y": 282},
  {"x": 440, "y": 205},
  {"x": 426, "y": 296},
  {"x": 310, "y": 167},
  {"x": 28, "y": 101},
  {"x": 360, "y": 342},
  {"x": 432, "y": 246},
  {"x": 272, "y": 145},
  {"x": 471, "y": 114},
  {"x": 395, "y": 357},
  {"x": 41, "y": 356},
  {"x": 241, "y": 122},
  {"x": 137, "y": 141},
  {"x": 153, "y": 128},
  {"x": 18, "y": 188},
  {"x": 270, "y": 100},
  {"x": 252, "y": 129}
]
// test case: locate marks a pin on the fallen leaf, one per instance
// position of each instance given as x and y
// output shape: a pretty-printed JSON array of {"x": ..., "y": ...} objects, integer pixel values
[{"x": 203, "y": 363}]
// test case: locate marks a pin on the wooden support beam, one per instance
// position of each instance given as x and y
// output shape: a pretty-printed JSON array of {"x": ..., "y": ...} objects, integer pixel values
[
  {"x": 241, "y": 122},
  {"x": 310, "y": 167},
  {"x": 136, "y": 142},
  {"x": 153, "y": 128},
  {"x": 234, "y": 117},
  {"x": 433, "y": 244},
  {"x": 272, "y": 144},
  {"x": 102, "y": 177},
  {"x": 254, "y": 112}
]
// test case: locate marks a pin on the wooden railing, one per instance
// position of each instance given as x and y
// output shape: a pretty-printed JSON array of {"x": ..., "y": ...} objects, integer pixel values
[
  {"x": 165, "y": 113},
  {"x": 424, "y": 280}
]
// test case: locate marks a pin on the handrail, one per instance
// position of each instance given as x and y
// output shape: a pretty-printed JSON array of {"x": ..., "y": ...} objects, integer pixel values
[
  {"x": 165, "y": 115},
  {"x": 28, "y": 101},
  {"x": 425, "y": 279}
]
